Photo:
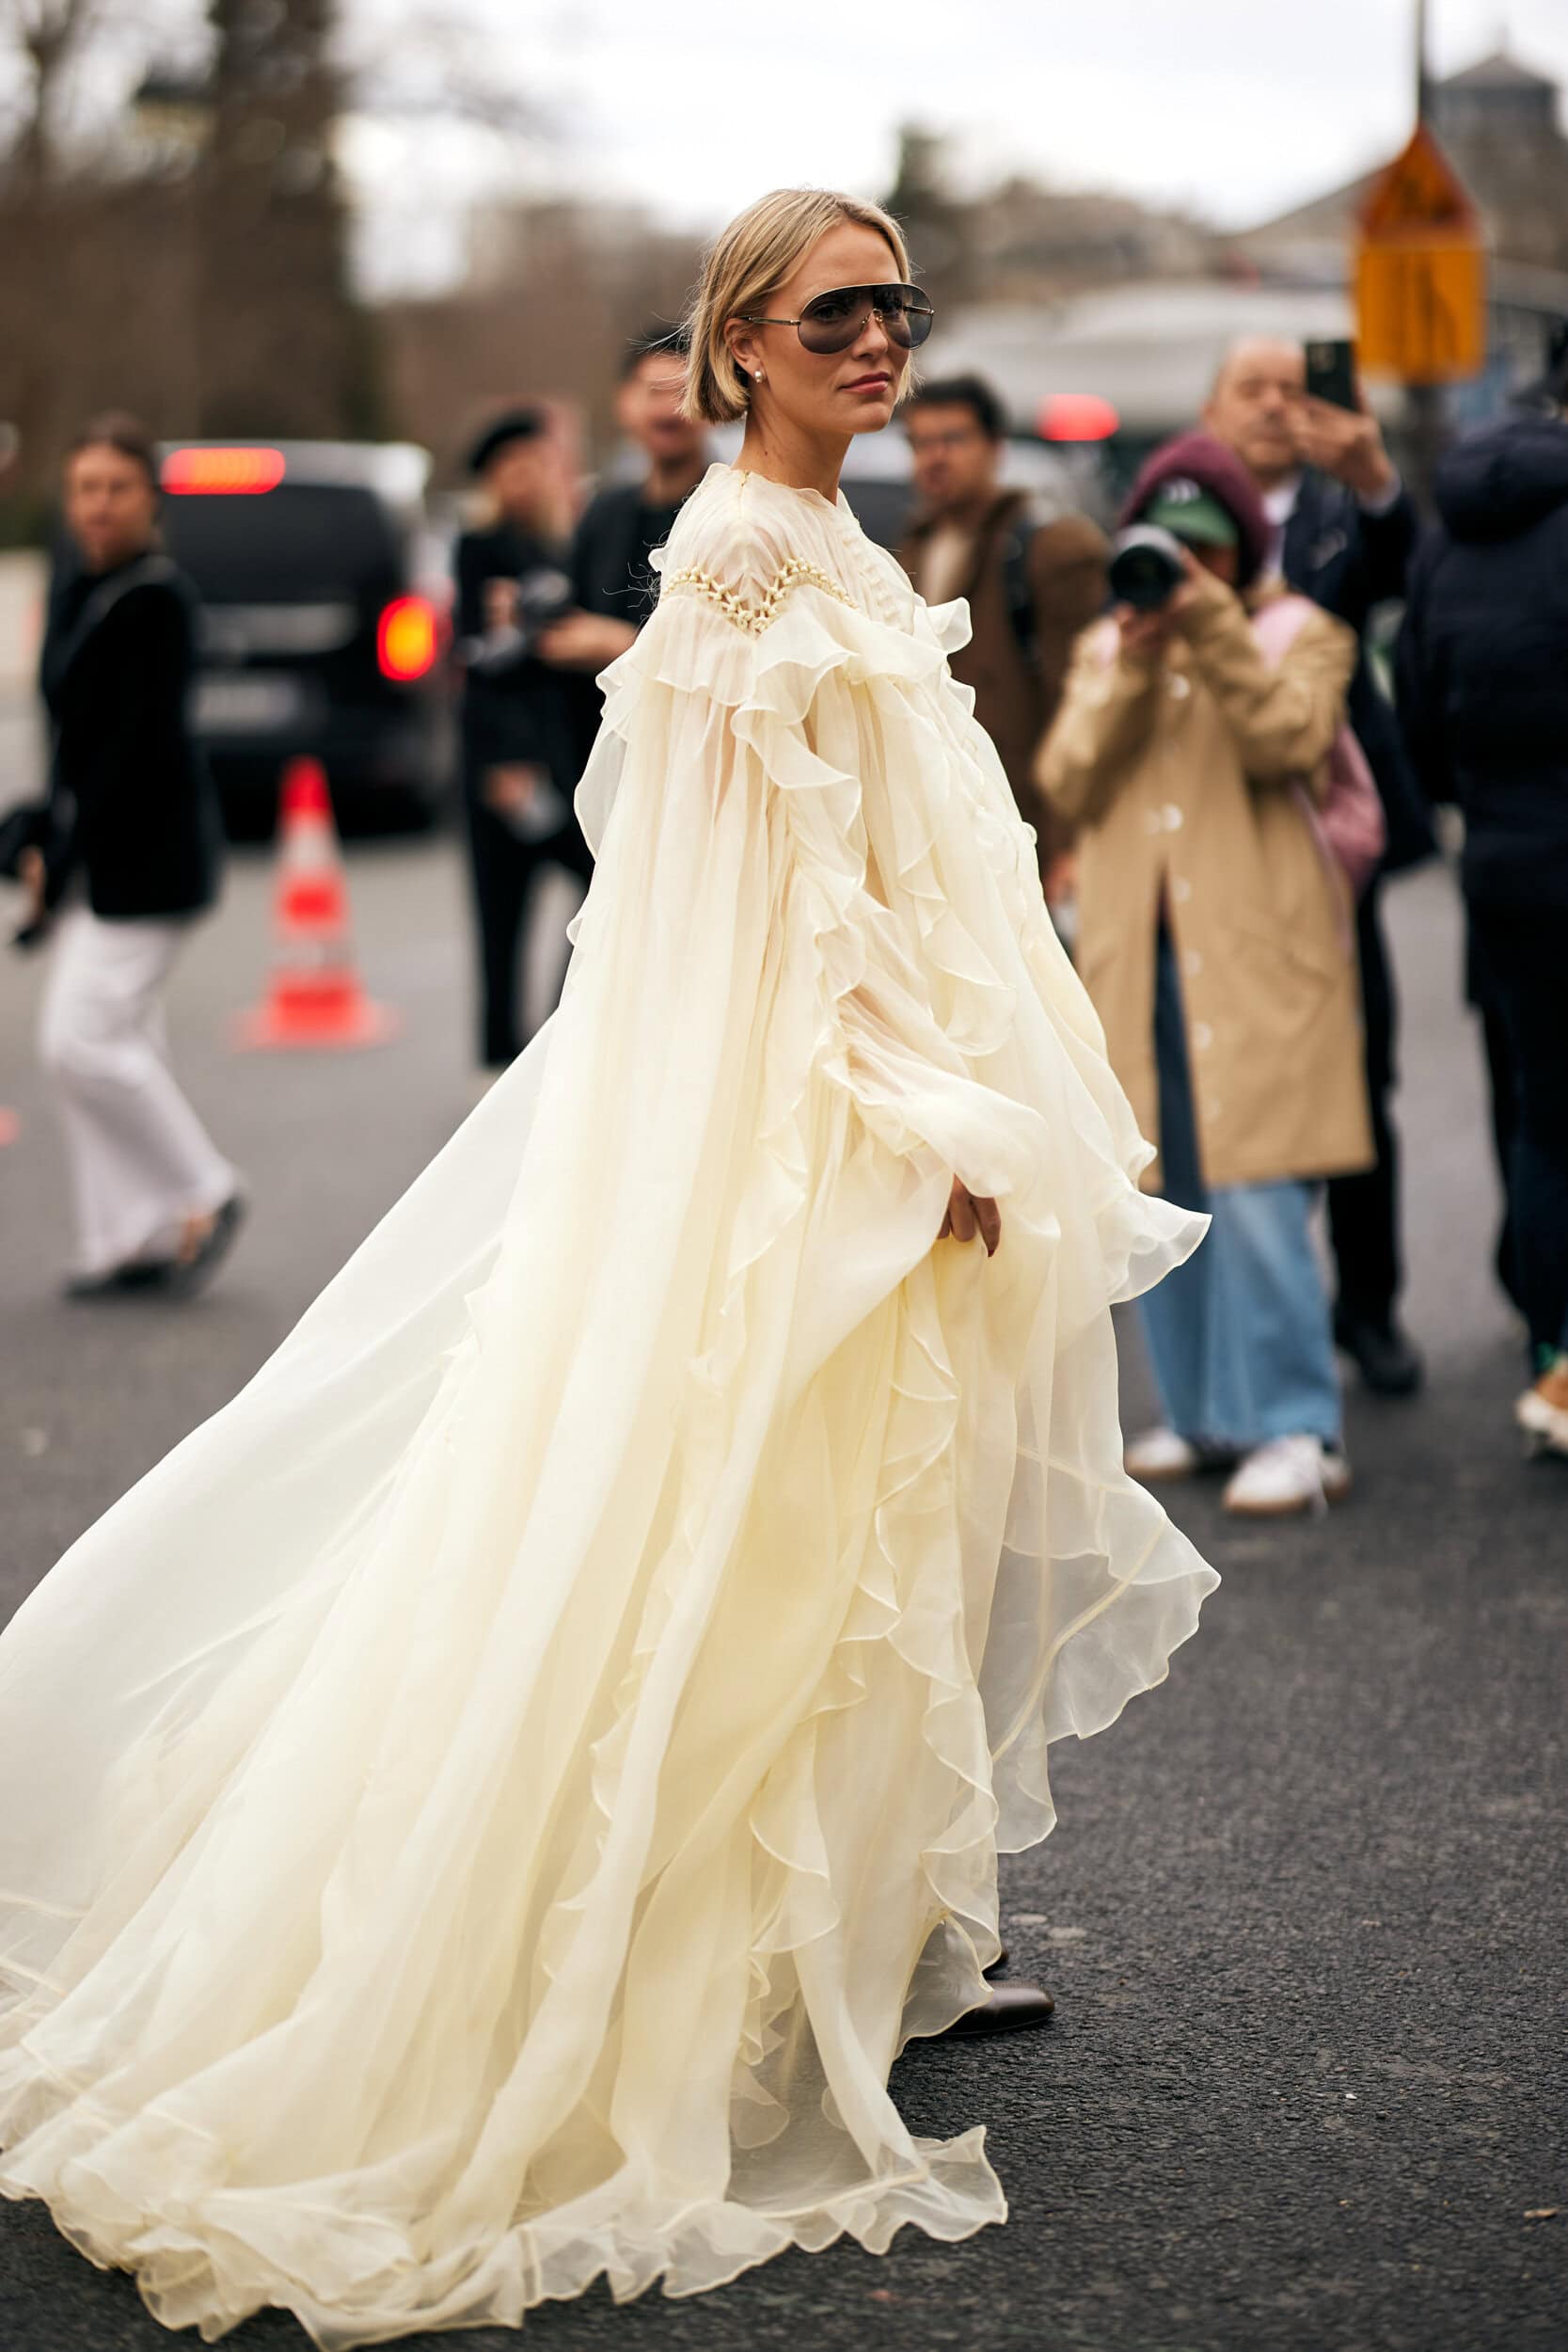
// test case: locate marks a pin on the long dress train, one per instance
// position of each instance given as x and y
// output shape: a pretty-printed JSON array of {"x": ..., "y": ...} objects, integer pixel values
[{"x": 489, "y": 1808}]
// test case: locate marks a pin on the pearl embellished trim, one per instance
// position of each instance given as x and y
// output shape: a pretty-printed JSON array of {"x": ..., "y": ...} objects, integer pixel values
[{"x": 754, "y": 617}]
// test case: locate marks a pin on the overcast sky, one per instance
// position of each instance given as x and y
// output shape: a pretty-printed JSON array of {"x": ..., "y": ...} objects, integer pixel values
[{"x": 1236, "y": 108}]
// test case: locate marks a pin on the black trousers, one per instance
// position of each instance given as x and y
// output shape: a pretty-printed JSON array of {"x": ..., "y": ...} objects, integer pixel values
[
  {"x": 505, "y": 874},
  {"x": 1522, "y": 950},
  {"x": 1503, "y": 1097},
  {"x": 1364, "y": 1211}
]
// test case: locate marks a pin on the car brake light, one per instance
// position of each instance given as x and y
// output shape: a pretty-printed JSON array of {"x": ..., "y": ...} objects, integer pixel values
[
  {"x": 407, "y": 638},
  {"x": 222, "y": 473},
  {"x": 1077, "y": 417}
]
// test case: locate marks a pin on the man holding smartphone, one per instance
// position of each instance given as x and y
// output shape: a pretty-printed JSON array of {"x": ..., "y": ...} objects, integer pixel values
[{"x": 1344, "y": 529}]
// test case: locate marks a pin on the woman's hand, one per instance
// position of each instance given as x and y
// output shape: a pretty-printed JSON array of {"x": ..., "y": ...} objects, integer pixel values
[
  {"x": 1144, "y": 636},
  {"x": 971, "y": 1212}
]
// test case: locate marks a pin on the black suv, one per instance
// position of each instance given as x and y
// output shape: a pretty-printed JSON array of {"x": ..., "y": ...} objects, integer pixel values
[{"x": 324, "y": 621}]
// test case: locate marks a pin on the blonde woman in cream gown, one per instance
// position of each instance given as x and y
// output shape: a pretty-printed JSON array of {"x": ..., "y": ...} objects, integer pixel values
[{"x": 490, "y": 1807}]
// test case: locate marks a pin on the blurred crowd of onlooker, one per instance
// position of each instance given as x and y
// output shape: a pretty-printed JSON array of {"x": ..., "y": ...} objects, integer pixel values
[
  {"x": 1192, "y": 718},
  {"x": 1238, "y": 786}
]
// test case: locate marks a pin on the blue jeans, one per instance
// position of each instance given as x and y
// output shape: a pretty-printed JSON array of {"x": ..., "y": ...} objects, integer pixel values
[{"x": 1241, "y": 1336}]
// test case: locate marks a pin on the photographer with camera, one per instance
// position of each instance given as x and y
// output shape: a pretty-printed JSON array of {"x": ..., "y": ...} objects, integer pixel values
[
  {"x": 1343, "y": 531},
  {"x": 1199, "y": 744},
  {"x": 527, "y": 725}
]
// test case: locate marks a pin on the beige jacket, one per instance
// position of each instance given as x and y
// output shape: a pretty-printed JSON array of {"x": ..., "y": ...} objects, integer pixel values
[{"x": 1180, "y": 774}]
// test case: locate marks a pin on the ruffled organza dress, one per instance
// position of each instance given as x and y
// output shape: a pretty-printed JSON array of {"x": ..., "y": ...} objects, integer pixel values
[{"x": 489, "y": 1809}]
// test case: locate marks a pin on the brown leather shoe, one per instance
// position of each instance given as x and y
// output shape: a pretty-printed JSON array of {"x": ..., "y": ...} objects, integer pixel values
[{"x": 1010, "y": 2009}]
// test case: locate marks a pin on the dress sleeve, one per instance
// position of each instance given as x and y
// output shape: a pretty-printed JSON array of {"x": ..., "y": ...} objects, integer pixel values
[{"x": 764, "y": 709}]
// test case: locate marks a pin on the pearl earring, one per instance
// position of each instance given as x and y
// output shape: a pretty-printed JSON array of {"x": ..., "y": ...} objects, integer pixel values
[{"x": 757, "y": 373}]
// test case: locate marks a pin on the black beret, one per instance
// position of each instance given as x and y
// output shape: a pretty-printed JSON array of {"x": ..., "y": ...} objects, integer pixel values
[{"x": 518, "y": 425}]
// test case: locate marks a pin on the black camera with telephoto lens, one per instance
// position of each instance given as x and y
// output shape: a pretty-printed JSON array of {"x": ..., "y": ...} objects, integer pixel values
[{"x": 1147, "y": 567}]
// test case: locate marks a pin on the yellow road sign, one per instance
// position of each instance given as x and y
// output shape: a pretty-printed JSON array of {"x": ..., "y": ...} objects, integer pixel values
[{"x": 1420, "y": 272}]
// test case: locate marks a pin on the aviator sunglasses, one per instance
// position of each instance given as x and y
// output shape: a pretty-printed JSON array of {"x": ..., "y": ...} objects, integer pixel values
[{"x": 832, "y": 322}]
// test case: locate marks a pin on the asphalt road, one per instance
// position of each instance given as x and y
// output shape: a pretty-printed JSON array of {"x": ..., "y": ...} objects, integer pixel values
[{"x": 1304, "y": 1916}]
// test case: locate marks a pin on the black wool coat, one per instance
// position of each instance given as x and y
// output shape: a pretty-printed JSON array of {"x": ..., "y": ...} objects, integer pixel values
[
  {"x": 131, "y": 805},
  {"x": 1482, "y": 662}
]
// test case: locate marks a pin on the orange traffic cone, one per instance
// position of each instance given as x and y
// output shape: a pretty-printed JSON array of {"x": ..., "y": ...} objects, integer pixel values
[{"x": 316, "y": 996}]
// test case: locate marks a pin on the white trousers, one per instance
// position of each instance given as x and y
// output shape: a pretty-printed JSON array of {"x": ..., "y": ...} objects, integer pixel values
[{"x": 141, "y": 1162}]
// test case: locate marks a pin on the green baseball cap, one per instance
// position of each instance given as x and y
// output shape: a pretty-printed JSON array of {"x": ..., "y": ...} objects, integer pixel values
[{"x": 1187, "y": 511}]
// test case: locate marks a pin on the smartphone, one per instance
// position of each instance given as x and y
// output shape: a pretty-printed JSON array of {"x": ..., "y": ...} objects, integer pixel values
[{"x": 1331, "y": 373}]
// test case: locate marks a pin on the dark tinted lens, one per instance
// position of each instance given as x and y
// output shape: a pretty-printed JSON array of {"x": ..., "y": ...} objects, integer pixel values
[
  {"x": 912, "y": 322},
  {"x": 833, "y": 321}
]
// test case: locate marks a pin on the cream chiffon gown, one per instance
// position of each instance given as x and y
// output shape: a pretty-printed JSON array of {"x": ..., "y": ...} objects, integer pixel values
[{"x": 489, "y": 1809}]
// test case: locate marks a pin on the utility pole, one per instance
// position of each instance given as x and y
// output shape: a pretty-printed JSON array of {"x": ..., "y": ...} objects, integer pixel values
[{"x": 1424, "y": 404}]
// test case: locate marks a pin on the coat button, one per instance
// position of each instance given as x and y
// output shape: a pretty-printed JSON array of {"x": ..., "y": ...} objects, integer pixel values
[
  {"x": 1181, "y": 688},
  {"x": 1172, "y": 817},
  {"x": 1180, "y": 889},
  {"x": 1203, "y": 1036},
  {"x": 1192, "y": 962}
]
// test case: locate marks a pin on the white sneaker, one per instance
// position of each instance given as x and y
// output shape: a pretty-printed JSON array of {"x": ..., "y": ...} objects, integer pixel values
[
  {"x": 1286, "y": 1476},
  {"x": 1159, "y": 1456},
  {"x": 1542, "y": 1412}
]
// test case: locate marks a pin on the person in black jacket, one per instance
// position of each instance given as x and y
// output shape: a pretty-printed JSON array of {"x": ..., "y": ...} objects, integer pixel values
[
  {"x": 1482, "y": 673},
  {"x": 121, "y": 860},
  {"x": 527, "y": 726},
  {"x": 614, "y": 586},
  {"x": 1344, "y": 528}
]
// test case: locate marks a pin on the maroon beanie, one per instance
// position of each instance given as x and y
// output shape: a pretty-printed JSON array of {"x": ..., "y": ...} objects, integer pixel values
[{"x": 1202, "y": 459}]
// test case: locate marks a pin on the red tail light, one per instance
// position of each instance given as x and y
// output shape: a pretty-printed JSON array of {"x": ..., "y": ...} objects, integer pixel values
[
  {"x": 1077, "y": 417},
  {"x": 407, "y": 639},
  {"x": 222, "y": 473}
]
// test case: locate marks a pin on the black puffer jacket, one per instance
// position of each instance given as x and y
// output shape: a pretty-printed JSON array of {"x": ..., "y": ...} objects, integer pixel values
[{"x": 1483, "y": 658}]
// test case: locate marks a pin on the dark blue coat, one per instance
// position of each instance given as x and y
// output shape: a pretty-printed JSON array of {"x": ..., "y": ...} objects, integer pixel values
[
  {"x": 1483, "y": 658},
  {"x": 1349, "y": 562}
]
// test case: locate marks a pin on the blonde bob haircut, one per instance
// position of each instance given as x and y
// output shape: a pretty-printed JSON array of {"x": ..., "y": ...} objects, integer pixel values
[{"x": 761, "y": 247}]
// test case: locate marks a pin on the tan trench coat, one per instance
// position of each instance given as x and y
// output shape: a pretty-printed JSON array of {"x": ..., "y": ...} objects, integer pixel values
[{"x": 1180, "y": 774}]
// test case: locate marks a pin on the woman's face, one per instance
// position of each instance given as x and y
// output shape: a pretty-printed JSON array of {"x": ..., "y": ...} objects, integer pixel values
[
  {"x": 840, "y": 392},
  {"x": 1225, "y": 562},
  {"x": 111, "y": 508}
]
